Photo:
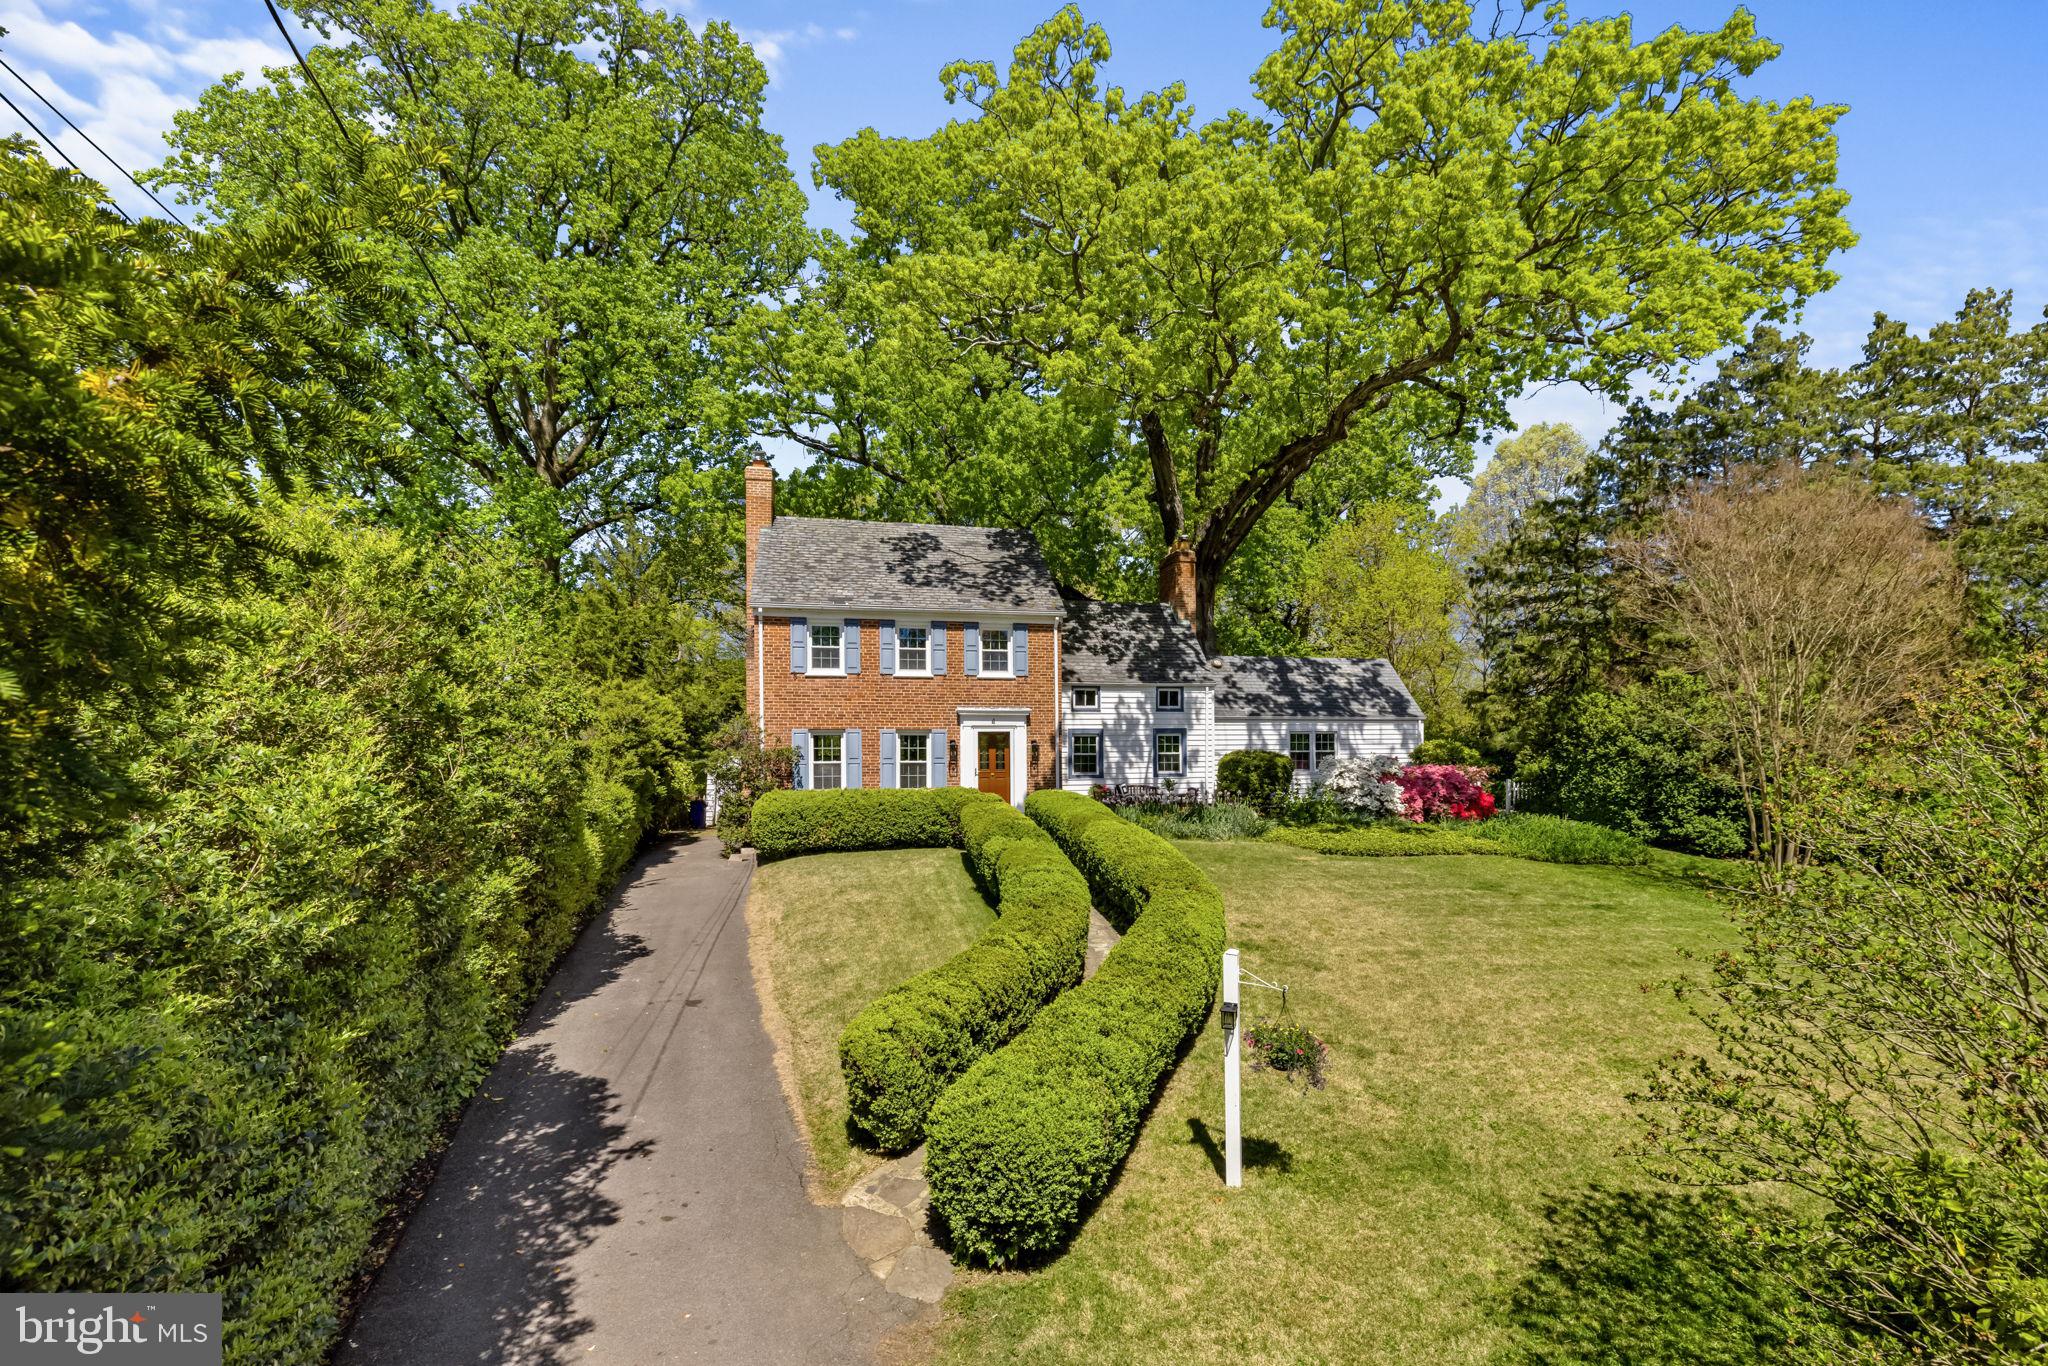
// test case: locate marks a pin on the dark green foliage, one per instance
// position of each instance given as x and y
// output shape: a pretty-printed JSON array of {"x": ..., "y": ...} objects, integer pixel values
[
  {"x": 1633, "y": 759},
  {"x": 1553, "y": 839},
  {"x": 1259, "y": 777},
  {"x": 1454, "y": 752},
  {"x": 385, "y": 805},
  {"x": 1387, "y": 839},
  {"x": 1030, "y": 1136},
  {"x": 741, "y": 770},
  {"x": 905, "y": 1048},
  {"x": 1624, "y": 1278},
  {"x": 845, "y": 819}
]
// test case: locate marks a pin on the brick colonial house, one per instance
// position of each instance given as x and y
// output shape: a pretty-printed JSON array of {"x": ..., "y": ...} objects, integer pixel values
[{"x": 906, "y": 655}]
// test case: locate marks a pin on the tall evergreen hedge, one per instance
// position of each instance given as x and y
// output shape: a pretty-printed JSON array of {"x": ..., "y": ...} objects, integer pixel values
[
  {"x": 1023, "y": 1142},
  {"x": 228, "y": 1029}
]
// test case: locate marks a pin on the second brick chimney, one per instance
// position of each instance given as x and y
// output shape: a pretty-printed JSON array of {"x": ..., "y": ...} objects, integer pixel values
[
  {"x": 760, "y": 510},
  {"x": 1177, "y": 580}
]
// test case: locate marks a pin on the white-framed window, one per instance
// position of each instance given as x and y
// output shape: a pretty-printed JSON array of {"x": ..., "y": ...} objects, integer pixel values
[
  {"x": 913, "y": 650},
  {"x": 1085, "y": 747},
  {"x": 1169, "y": 752},
  {"x": 1086, "y": 699},
  {"x": 995, "y": 650},
  {"x": 827, "y": 747},
  {"x": 1326, "y": 749},
  {"x": 825, "y": 654},
  {"x": 913, "y": 758},
  {"x": 1297, "y": 749},
  {"x": 1168, "y": 699}
]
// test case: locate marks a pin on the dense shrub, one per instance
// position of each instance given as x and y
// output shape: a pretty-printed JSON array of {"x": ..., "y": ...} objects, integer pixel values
[
  {"x": 1217, "y": 821},
  {"x": 1258, "y": 777},
  {"x": 1553, "y": 839},
  {"x": 1455, "y": 752},
  {"x": 227, "y": 1031},
  {"x": 1434, "y": 792},
  {"x": 1022, "y": 1143},
  {"x": 900, "y": 1052},
  {"x": 1633, "y": 761},
  {"x": 1388, "y": 840},
  {"x": 844, "y": 819},
  {"x": 1367, "y": 788},
  {"x": 743, "y": 768}
]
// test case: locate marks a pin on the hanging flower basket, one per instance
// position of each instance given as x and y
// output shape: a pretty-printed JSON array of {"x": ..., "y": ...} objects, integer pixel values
[{"x": 1288, "y": 1050}]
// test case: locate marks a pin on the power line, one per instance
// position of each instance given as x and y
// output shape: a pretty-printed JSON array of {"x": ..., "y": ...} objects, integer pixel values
[
  {"x": 51, "y": 144},
  {"x": 89, "y": 142}
]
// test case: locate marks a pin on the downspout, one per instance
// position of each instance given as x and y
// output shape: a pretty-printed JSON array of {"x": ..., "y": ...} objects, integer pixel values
[{"x": 761, "y": 677}]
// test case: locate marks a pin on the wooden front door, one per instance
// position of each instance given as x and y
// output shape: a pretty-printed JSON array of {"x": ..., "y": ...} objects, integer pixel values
[{"x": 992, "y": 763}]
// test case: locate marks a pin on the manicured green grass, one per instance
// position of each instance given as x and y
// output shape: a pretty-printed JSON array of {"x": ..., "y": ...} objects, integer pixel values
[
  {"x": 830, "y": 932},
  {"x": 1486, "y": 1017}
]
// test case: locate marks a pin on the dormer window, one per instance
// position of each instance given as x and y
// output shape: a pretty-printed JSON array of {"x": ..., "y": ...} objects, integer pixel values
[
  {"x": 825, "y": 649},
  {"x": 1169, "y": 700},
  {"x": 995, "y": 650}
]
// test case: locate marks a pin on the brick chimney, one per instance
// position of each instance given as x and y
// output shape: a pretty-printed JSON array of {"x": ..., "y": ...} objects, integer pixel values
[
  {"x": 1177, "y": 580},
  {"x": 760, "y": 510}
]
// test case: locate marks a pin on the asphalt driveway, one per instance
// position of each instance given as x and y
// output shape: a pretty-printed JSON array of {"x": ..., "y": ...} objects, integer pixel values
[{"x": 627, "y": 1185}]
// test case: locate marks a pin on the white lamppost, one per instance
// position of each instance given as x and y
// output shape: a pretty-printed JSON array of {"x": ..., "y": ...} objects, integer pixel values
[{"x": 1233, "y": 1144}]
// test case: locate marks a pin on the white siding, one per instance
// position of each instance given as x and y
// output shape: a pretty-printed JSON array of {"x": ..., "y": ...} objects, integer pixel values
[
  {"x": 1357, "y": 736},
  {"x": 1126, "y": 718}
]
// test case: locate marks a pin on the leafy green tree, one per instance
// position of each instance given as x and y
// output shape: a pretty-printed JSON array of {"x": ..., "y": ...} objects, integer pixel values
[
  {"x": 1076, "y": 292},
  {"x": 153, "y": 383},
  {"x": 1530, "y": 468},
  {"x": 1876, "y": 1039},
  {"x": 1383, "y": 586},
  {"x": 570, "y": 202}
]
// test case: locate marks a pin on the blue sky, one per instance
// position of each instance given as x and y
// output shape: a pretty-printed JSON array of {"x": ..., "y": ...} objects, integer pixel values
[{"x": 1943, "y": 147}]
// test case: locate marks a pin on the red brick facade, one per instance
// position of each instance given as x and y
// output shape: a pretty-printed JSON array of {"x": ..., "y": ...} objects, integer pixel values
[{"x": 872, "y": 701}]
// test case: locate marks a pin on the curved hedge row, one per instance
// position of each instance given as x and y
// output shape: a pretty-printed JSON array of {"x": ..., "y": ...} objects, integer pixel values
[
  {"x": 906, "y": 1047},
  {"x": 844, "y": 820},
  {"x": 1032, "y": 1133}
]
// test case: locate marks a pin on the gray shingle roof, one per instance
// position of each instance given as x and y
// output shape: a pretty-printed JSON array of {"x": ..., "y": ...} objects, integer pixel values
[
  {"x": 900, "y": 566},
  {"x": 1258, "y": 685},
  {"x": 1128, "y": 642}
]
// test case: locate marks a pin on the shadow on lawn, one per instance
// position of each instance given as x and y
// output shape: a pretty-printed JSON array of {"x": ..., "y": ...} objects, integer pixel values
[
  {"x": 1260, "y": 1154},
  {"x": 1651, "y": 1279}
]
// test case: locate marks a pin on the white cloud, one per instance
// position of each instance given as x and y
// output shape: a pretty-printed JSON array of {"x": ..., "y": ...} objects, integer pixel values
[{"x": 773, "y": 45}]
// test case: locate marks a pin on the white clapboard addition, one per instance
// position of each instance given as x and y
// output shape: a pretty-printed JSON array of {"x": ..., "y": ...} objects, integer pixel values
[{"x": 1233, "y": 1141}]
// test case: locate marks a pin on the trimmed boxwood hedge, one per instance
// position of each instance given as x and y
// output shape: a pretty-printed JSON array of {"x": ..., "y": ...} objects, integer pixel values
[
  {"x": 906, "y": 1047},
  {"x": 843, "y": 820},
  {"x": 1031, "y": 1134}
]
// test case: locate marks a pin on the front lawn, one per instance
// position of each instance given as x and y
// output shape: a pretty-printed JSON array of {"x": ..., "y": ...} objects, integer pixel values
[
  {"x": 1486, "y": 1017},
  {"x": 830, "y": 933}
]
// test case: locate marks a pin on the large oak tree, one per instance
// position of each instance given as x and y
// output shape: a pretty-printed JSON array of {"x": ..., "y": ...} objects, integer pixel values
[
  {"x": 571, "y": 201},
  {"x": 1078, "y": 301}
]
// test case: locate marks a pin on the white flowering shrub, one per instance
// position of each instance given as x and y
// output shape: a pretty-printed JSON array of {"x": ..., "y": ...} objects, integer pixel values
[{"x": 1364, "y": 787}]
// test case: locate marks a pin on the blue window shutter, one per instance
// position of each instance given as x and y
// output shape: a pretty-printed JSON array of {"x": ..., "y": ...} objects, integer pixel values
[
  {"x": 971, "y": 647},
  {"x": 799, "y": 645},
  {"x": 938, "y": 759},
  {"x": 851, "y": 754},
  {"x": 802, "y": 740},
  {"x": 888, "y": 758},
  {"x": 849, "y": 645},
  {"x": 888, "y": 652},
  {"x": 938, "y": 647},
  {"x": 1020, "y": 663}
]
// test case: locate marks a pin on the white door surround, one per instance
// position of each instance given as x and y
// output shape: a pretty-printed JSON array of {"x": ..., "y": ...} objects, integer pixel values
[{"x": 1014, "y": 721}]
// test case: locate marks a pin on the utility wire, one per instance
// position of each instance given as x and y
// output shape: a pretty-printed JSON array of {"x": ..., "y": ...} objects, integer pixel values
[
  {"x": 51, "y": 144},
  {"x": 454, "y": 317},
  {"x": 88, "y": 141}
]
